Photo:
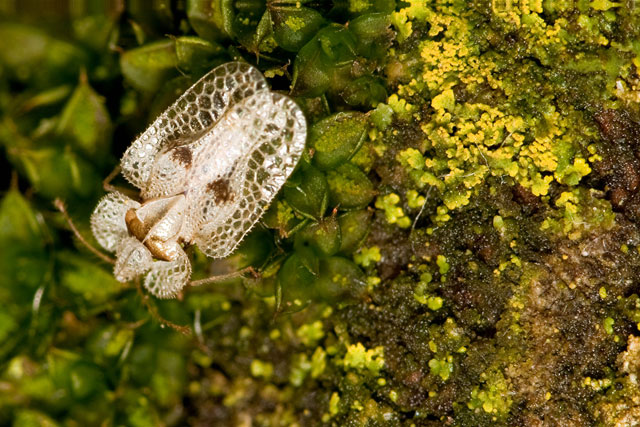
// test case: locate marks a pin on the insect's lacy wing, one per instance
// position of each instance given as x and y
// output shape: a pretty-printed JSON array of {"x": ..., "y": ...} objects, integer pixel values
[
  {"x": 107, "y": 220},
  {"x": 265, "y": 137},
  {"x": 197, "y": 110},
  {"x": 133, "y": 259},
  {"x": 166, "y": 278}
]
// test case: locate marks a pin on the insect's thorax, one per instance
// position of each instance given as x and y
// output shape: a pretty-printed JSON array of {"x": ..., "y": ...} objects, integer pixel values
[{"x": 159, "y": 225}]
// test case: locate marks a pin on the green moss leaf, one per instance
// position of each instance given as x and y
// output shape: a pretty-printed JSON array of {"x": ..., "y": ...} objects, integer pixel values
[
  {"x": 32, "y": 418},
  {"x": 107, "y": 344},
  {"x": 57, "y": 173},
  {"x": 146, "y": 68},
  {"x": 18, "y": 221},
  {"x": 309, "y": 258},
  {"x": 350, "y": 187},
  {"x": 373, "y": 34},
  {"x": 324, "y": 63},
  {"x": 252, "y": 27},
  {"x": 357, "y": 7},
  {"x": 168, "y": 380},
  {"x": 33, "y": 56},
  {"x": 365, "y": 91},
  {"x": 340, "y": 279},
  {"x": 197, "y": 55},
  {"x": 138, "y": 410},
  {"x": 23, "y": 268},
  {"x": 85, "y": 122},
  {"x": 253, "y": 250},
  {"x": 94, "y": 31},
  {"x": 307, "y": 192},
  {"x": 47, "y": 97},
  {"x": 24, "y": 261},
  {"x": 296, "y": 281},
  {"x": 336, "y": 138},
  {"x": 293, "y": 27},
  {"x": 282, "y": 217},
  {"x": 323, "y": 236},
  {"x": 354, "y": 227},
  {"x": 75, "y": 270},
  {"x": 168, "y": 93},
  {"x": 8, "y": 325},
  {"x": 86, "y": 379},
  {"x": 142, "y": 363},
  {"x": 211, "y": 19}
]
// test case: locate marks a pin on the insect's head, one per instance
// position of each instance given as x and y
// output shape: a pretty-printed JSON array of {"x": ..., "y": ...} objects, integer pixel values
[{"x": 135, "y": 227}]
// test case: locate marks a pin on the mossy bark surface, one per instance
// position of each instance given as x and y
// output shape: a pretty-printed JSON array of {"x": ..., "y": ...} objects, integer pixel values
[{"x": 460, "y": 244}]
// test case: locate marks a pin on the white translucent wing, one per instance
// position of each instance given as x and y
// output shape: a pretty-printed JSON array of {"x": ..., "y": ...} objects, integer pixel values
[
  {"x": 133, "y": 259},
  {"x": 107, "y": 220},
  {"x": 258, "y": 143},
  {"x": 199, "y": 108},
  {"x": 166, "y": 278}
]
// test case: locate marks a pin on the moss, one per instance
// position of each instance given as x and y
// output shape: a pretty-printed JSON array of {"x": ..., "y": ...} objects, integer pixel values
[
  {"x": 309, "y": 334},
  {"x": 476, "y": 160},
  {"x": 442, "y": 368},
  {"x": 443, "y": 265},
  {"x": 367, "y": 256},
  {"x": 393, "y": 213},
  {"x": 360, "y": 358},
  {"x": 493, "y": 397}
]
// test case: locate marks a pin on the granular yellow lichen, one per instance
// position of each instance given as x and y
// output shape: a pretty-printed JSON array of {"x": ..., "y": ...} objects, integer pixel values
[{"x": 467, "y": 142}]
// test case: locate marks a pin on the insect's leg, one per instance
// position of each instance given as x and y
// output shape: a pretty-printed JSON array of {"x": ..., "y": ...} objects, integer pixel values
[
  {"x": 222, "y": 277},
  {"x": 106, "y": 184},
  {"x": 153, "y": 311},
  {"x": 61, "y": 207}
]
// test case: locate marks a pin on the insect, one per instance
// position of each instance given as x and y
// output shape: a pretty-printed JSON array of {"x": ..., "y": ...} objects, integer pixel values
[{"x": 207, "y": 169}]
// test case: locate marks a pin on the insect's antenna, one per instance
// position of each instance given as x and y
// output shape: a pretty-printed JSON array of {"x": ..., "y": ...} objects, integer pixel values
[
  {"x": 153, "y": 311},
  {"x": 106, "y": 183},
  {"x": 107, "y": 186},
  {"x": 221, "y": 277},
  {"x": 59, "y": 204}
]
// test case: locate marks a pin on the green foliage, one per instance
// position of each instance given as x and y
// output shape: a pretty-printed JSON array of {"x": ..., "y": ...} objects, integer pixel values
[
  {"x": 307, "y": 192},
  {"x": 336, "y": 138},
  {"x": 85, "y": 122},
  {"x": 294, "y": 26},
  {"x": 465, "y": 212},
  {"x": 34, "y": 57},
  {"x": 147, "y": 68}
]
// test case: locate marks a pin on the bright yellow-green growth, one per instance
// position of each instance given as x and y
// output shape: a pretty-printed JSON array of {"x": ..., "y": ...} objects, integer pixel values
[
  {"x": 579, "y": 211},
  {"x": 310, "y": 333},
  {"x": 362, "y": 359},
  {"x": 368, "y": 256},
  {"x": 393, "y": 213},
  {"x": 468, "y": 141},
  {"x": 493, "y": 397},
  {"x": 442, "y": 367}
]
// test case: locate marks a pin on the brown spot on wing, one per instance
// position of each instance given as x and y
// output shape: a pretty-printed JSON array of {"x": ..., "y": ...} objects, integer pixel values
[
  {"x": 183, "y": 155},
  {"x": 221, "y": 191}
]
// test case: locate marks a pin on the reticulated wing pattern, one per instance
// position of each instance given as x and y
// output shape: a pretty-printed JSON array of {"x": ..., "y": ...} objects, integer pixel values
[
  {"x": 196, "y": 111},
  {"x": 169, "y": 172},
  {"x": 230, "y": 189},
  {"x": 166, "y": 278},
  {"x": 107, "y": 220},
  {"x": 133, "y": 259}
]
